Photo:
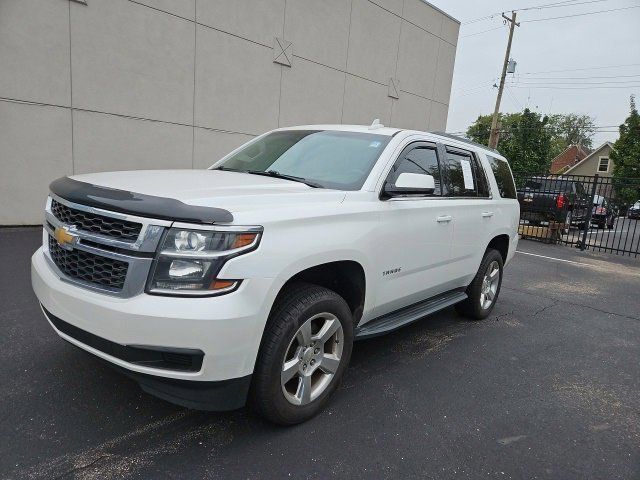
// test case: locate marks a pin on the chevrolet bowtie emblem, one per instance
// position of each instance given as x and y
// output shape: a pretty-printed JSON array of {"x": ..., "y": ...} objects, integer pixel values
[{"x": 64, "y": 238}]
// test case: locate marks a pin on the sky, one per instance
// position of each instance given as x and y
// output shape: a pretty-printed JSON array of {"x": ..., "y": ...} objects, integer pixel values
[{"x": 598, "y": 56}]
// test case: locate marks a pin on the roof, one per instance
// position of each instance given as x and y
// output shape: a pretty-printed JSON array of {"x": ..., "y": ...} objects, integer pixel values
[
  {"x": 390, "y": 132},
  {"x": 592, "y": 154},
  {"x": 569, "y": 157}
]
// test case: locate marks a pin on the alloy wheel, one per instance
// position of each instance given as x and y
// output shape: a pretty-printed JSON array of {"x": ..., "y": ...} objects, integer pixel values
[
  {"x": 312, "y": 358},
  {"x": 490, "y": 283}
]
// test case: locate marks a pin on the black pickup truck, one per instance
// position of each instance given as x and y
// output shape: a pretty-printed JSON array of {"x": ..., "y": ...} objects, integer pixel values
[{"x": 553, "y": 200}]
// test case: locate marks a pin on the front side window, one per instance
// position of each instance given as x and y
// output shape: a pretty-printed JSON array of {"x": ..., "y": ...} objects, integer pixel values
[
  {"x": 328, "y": 158},
  {"x": 421, "y": 160},
  {"x": 603, "y": 165},
  {"x": 504, "y": 178}
]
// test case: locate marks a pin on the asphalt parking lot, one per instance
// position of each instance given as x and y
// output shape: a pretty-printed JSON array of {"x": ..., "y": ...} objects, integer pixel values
[{"x": 547, "y": 387}]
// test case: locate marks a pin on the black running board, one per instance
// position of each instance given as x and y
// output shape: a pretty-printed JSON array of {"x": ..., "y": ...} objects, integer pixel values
[{"x": 400, "y": 318}]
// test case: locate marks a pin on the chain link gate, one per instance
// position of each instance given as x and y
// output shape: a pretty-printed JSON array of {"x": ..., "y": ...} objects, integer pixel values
[{"x": 588, "y": 212}]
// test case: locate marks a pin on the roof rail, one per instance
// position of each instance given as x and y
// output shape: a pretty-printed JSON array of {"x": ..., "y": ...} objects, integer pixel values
[{"x": 465, "y": 140}]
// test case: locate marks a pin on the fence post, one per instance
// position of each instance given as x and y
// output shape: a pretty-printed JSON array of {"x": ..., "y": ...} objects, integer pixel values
[{"x": 587, "y": 221}]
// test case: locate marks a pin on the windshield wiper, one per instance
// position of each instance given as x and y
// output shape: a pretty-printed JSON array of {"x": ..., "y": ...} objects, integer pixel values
[{"x": 274, "y": 174}]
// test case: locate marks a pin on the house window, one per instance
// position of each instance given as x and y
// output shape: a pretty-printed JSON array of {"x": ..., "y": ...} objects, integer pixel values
[{"x": 603, "y": 165}]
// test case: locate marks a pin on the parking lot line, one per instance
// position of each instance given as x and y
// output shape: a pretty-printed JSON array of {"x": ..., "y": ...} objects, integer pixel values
[{"x": 554, "y": 258}]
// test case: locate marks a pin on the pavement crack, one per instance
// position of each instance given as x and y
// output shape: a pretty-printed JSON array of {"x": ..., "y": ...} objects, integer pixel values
[{"x": 629, "y": 317}]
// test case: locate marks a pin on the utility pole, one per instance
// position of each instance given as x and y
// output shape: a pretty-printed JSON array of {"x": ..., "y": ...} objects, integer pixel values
[{"x": 493, "y": 137}]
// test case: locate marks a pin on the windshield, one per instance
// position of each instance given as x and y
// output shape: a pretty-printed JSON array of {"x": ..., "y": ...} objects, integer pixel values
[{"x": 328, "y": 158}]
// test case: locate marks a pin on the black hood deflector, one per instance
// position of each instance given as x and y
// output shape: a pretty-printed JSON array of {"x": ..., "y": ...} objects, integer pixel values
[{"x": 136, "y": 203}]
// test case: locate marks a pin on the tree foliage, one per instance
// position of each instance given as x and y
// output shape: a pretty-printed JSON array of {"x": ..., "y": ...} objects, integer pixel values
[
  {"x": 626, "y": 156},
  {"x": 524, "y": 139},
  {"x": 570, "y": 129},
  {"x": 530, "y": 140}
]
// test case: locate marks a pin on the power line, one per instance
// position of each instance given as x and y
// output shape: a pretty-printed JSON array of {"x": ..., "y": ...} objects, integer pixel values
[
  {"x": 483, "y": 31},
  {"x": 555, "y": 5},
  {"x": 579, "y": 14},
  {"x": 574, "y": 88},
  {"x": 602, "y": 67},
  {"x": 535, "y": 82},
  {"x": 566, "y": 3},
  {"x": 580, "y": 78}
]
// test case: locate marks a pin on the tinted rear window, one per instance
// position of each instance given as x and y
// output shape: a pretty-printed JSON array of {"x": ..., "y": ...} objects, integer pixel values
[
  {"x": 548, "y": 185},
  {"x": 504, "y": 178}
]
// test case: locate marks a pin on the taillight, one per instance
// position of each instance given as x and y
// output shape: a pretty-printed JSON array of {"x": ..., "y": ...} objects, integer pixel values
[{"x": 561, "y": 200}]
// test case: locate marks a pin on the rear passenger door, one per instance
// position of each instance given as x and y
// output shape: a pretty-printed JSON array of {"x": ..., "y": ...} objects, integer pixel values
[{"x": 466, "y": 185}]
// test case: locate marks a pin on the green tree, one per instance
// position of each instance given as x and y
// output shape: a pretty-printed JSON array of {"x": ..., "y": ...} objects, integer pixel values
[
  {"x": 626, "y": 156},
  {"x": 524, "y": 139},
  {"x": 570, "y": 129}
]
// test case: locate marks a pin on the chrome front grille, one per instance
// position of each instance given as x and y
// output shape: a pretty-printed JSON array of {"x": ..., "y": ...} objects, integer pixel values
[
  {"x": 90, "y": 222},
  {"x": 105, "y": 251},
  {"x": 89, "y": 267}
]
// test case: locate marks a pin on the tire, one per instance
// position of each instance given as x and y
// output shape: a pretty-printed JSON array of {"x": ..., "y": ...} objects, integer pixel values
[
  {"x": 475, "y": 306},
  {"x": 285, "y": 341}
]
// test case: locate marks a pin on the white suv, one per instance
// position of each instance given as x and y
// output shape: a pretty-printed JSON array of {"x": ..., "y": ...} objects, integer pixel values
[{"x": 251, "y": 280}]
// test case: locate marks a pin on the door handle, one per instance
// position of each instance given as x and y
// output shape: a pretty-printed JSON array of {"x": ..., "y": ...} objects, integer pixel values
[
  {"x": 487, "y": 214},
  {"x": 444, "y": 218}
]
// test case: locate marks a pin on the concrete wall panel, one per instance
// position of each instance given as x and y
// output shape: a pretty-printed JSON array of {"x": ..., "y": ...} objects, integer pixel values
[
  {"x": 417, "y": 60},
  {"x": 311, "y": 93},
  {"x": 365, "y": 101},
  {"x": 411, "y": 111},
  {"x": 319, "y": 30},
  {"x": 182, "y": 8},
  {"x": 35, "y": 144},
  {"x": 179, "y": 83},
  {"x": 210, "y": 146},
  {"x": 237, "y": 84},
  {"x": 450, "y": 30},
  {"x": 132, "y": 60},
  {"x": 394, "y": 6},
  {"x": 34, "y": 51},
  {"x": 108, "y": 142},
  {"x": 425, "y": 16},
  {"x": 442, "y": 85},
  {"x": 257, "y": 20},
  {"x": 438, "y": 118},
  {"x": 373, "y": 42}
]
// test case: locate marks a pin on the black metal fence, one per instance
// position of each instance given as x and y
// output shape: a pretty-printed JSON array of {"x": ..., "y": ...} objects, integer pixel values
[{"x": 587, "y": 212}]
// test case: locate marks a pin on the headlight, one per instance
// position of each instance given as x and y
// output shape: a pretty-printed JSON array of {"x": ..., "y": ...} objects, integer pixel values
[{"x": 190, "y": 260}]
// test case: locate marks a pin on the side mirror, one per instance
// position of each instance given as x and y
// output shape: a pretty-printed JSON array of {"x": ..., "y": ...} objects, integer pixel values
[{"x": 411, "y": 184}]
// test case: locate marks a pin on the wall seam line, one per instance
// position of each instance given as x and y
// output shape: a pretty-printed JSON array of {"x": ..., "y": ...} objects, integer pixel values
[
  {"x": 73, "y": 156},
  {"x": 193, "y": 105}
]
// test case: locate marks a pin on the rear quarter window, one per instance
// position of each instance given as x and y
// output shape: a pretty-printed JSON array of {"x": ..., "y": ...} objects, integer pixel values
[{"x": 504, "y": 178}]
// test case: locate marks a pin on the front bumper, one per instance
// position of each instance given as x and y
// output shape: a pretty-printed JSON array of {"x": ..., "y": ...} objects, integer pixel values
[{"x": 226, "y": 329}]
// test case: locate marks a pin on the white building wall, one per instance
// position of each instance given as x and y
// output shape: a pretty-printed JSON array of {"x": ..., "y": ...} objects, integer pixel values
[{"x": 119, "y": 84}]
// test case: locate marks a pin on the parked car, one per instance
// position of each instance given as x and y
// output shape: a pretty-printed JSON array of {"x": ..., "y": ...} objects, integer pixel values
[
  {"x": 551, "y": 199},
  {"x": 634, "y": 210},
  {"x": 252, "y": 279},
  {"x": 603, "y": 213}
]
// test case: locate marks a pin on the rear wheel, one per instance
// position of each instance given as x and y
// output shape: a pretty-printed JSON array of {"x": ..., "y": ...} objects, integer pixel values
[
  {"x": 483, "y": 291},
  {"x": 305, "y": 350}
]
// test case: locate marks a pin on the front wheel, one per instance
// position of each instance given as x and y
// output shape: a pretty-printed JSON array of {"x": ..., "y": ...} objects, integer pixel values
[
  {"x": 483, "y": 291},
  {"x": 305, "y": 350}
]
